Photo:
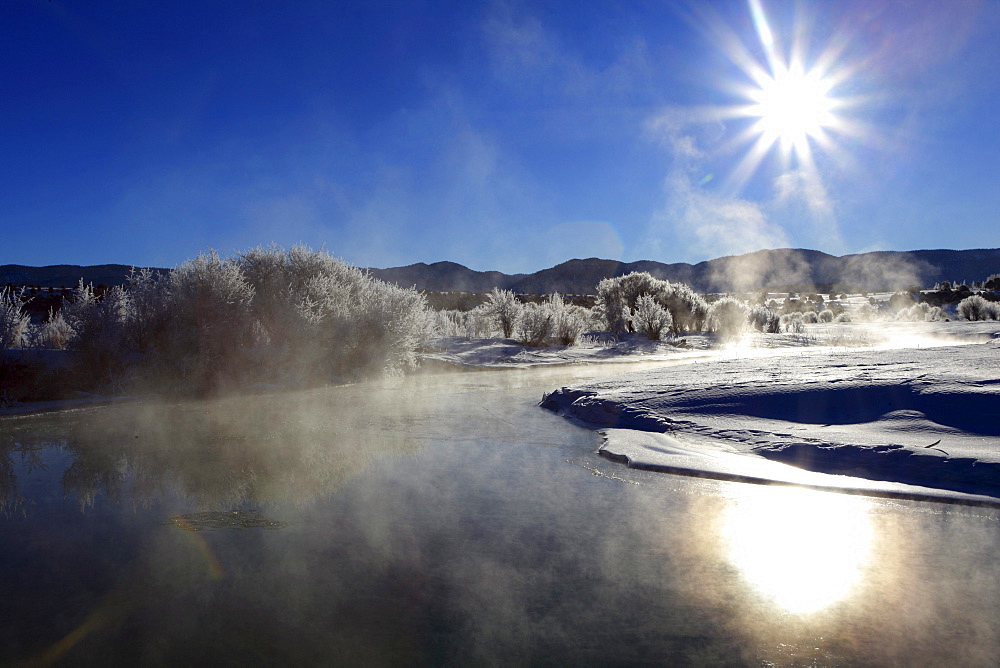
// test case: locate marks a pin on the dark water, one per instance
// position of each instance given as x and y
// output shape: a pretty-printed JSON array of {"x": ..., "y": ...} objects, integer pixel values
[{"x": 448, "y": 520}]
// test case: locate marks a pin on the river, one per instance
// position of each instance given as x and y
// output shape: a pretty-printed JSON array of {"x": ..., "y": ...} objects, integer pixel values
[{"x": 446, "y": 519}]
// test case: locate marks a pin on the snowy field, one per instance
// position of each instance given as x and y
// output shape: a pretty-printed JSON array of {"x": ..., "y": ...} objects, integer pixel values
[{"x": 917, "y": 416}]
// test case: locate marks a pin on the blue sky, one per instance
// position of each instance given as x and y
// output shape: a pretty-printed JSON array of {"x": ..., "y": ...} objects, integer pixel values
[{"x": 500, "y": 135}]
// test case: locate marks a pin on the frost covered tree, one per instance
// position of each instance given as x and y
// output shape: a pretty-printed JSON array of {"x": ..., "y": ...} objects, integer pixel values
[
  {"x": 728, "y": 317},
  {"x": 56, "y": 332},
  {"x": 976, "y": 308},
  {"x": 688, "y": 309},
  {"x": 865, "y": 313},
  {"x": 506, "y": 310},
  {"x": 536, "y": 325},
  {"x": 475, "y": 324},
  {"x": 569, "y": 321},
  {"x": 268, "y": 314},
  {"x": 922, "y": 312},
  {"x": 764, "y": 319},
  {"x": 313, "y": 311},
  {"x": 791, "y": 323},
  {"x": 14, "y": 322},
  {"x": 79, "y": 312},
  {"x": 617, "y": 298},
  {"x": 650, "y": 319},
  {"x": 148, "y": 314},
  {"x": 553, "y": 318},
  {"x": 209, "y": 302}
]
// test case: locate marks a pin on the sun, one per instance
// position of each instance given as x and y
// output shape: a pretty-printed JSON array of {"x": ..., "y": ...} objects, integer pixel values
[{"x": 792, "y": 106}]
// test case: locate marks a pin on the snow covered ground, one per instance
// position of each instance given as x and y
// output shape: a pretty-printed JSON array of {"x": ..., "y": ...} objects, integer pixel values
[{"x": 919, "y": 421}]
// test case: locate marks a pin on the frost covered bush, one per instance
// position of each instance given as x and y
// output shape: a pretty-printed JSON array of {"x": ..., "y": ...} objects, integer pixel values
[
  {"x": 569, "y": 321},
  {"x": 650, "y": 319},
  {"x": 320, "y": 316},
  {"x": 977, "y": 308},
  {"x": 810, "y": 317},
  {"x": 475, "y": 324},
  {"x": 79, "y": 312},
  {"x": 209, "y": 327},
  {"x": 936, "y": 314},
  {"x": 97, "y": 328},
  {"x": 865, "y": 313},
  {"x": 688, "y": 308},
  {"x": 617, "y": 298},
  {"x": 764, "y": 319},
  {"x": 505, "y": 309},
  {"x": 791, "y": 323},
  {"x": 843, "y": 317},
  {"x": 728, "y": 317},
  {"x": 56, "y": 332},
  {"x": 536, "y": 325},
  {"x": 267, "y": 314},
  {"x": 826, "y": 315},
  {"x": 148, "y": 313},
  {"x": 14, "y": 322},
  {"x": 922, "y": 312},
  {"x": 97, "y": 325},
  {"x": 479, "y": 323}
]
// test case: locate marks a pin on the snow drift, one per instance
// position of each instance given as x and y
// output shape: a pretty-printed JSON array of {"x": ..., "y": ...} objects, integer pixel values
[{"x": 928, "y": 417}]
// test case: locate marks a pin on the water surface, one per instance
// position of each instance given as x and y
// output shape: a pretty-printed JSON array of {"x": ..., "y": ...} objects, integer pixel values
[{"x": 447, "y": 519}]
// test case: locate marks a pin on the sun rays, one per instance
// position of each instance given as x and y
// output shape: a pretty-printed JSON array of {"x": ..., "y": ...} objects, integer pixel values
[{"x": 789, "y": 103}]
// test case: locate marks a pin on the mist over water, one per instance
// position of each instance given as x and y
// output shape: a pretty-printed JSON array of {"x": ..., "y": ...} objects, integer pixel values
[{"x": 444, "y": 518}]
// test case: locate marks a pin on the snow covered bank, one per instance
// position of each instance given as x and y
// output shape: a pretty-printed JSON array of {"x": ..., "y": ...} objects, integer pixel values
[{"x": 867, "y": 413}]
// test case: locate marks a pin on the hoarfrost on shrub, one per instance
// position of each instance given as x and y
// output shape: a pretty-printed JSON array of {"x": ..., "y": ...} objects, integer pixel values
[
  {"x": 535, "y": 326},
  {"x": 14, "y": 322},
  {"x": 728, "y": 317},
  {"x": 617, "y": 298},
  {"x": 505, "y": 309},
  {"x": 650, "y": 319}
]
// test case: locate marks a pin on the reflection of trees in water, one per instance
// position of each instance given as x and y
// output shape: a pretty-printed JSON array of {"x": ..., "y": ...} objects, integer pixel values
[
  {"x": 10, "y": 497},
  {"x": 11, "y": 500},
  {"x": 223, "y": 454}
]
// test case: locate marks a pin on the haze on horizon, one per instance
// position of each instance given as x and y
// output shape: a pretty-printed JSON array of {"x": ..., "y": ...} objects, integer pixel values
[{"x": 499, "y": 135}]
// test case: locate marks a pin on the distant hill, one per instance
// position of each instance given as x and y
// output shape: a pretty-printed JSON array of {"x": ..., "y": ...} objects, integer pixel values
[
  {"x": 779, "y": 270},
  {"x": 445, "y": 277}
]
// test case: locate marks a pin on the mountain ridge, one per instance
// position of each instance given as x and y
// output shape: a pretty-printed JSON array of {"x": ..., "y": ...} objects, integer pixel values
[{"x": 778, "y": 269}]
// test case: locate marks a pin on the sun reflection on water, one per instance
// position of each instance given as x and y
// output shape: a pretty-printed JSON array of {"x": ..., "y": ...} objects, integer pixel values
[{"x": 801, "y": 548}]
